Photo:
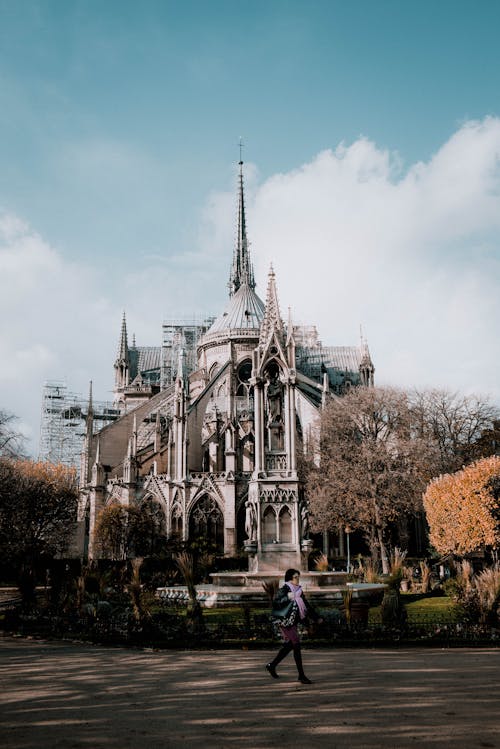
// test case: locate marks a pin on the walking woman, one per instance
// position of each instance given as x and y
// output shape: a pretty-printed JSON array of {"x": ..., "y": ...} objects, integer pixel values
[{"x": 290, "y": 606}]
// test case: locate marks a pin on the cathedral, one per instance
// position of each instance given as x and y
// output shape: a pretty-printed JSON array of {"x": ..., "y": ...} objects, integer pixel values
[{"x": 212, "y": 423}]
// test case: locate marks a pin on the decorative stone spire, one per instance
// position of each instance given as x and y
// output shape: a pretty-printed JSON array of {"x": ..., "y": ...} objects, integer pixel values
[
  {"x": 241, "y": 269},
  {"x": 123, "y": 345},
  {"x": 122, "y": 363},
  {"x": 366, "y": 368},
  {"x": 272, "y": 319}
]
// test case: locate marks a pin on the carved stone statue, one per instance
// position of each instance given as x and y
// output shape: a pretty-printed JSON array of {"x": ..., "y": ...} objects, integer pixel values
[
  {"x": 250, "y": 522},
  {"x": 304, "y": 516},
  {"x": 274, "y": 400}
]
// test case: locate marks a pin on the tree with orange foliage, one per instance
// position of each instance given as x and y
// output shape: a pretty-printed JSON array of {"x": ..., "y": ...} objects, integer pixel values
[
  {"x": 38, "y": 503},
  {"x": 463, "y": 509}
]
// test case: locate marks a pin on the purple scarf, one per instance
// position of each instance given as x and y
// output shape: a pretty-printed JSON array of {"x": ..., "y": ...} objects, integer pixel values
[{"x": 297, "y": 593}]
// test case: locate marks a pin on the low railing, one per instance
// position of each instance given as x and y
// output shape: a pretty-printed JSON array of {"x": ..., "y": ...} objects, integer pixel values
[{"x": 169, "y": 627}]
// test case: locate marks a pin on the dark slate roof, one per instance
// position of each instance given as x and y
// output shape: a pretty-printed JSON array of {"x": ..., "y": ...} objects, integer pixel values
[
  {"x": 144, "y": 359},
  {"x": 245, "y": 310},
  {"x": 341, "y": 363}
]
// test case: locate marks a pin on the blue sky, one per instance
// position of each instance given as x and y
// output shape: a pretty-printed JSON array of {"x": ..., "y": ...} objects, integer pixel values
[{"x": 119, "y": 124}]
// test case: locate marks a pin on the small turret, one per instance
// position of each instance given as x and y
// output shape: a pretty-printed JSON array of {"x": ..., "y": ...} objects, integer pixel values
[
  {"x": 122, "y": 363},
  {"x": 366, "y": 368},
  {"x": 272, "y": 322}
]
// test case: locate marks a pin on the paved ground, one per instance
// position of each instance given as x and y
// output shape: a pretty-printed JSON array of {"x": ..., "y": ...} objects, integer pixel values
[{"x": 62, "y": 696}]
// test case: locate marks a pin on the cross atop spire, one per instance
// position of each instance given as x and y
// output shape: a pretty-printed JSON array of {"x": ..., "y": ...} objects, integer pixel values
[{"x": 241, "y": 269}]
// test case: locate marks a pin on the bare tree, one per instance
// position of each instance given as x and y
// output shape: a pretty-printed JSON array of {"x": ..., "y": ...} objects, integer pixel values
[
  {"x": 11, "y": 439},
  {"x": 373, "y": 466},
  {"x": 123, "y": 532},
  {"x": 463, "y": 426}
]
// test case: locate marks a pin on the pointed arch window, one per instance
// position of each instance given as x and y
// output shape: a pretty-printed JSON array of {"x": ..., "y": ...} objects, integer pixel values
[
  {"x": 176, "y": 524},
  {"x": 206, "y": 521},
  {"x": 285, "y": 526},
  {"x": 269, "y": 530}
]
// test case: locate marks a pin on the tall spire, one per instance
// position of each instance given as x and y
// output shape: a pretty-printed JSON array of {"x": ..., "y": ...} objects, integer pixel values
[
  {"x": 241, "y": 269},
  {"x": 272, "y": 318},
  {"x": 123, "y": 345}
]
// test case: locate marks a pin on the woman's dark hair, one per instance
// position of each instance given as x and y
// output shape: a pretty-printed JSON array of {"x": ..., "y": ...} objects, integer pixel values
[{"x": 290, "y": 573}]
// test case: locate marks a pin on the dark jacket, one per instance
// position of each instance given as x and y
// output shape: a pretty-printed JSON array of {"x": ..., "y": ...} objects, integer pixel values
[{"x": 282, "y": 605}]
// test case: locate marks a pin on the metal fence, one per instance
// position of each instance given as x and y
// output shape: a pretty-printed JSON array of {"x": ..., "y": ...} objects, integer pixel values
[{"x": 169, "y": 627}]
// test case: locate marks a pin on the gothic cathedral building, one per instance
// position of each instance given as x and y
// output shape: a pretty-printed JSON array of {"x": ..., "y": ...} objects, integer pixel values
[{"x": 212, "y": 423}]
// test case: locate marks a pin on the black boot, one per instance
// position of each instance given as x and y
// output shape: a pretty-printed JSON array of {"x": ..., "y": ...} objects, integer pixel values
[
  {"x": 298, "y": 662},
  {"x": 282, "y": 653}
]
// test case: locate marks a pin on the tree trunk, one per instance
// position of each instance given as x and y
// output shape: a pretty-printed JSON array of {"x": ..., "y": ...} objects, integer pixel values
[
  {"x": 383, "y": 552},
  {"x": 380, "y": 540}
]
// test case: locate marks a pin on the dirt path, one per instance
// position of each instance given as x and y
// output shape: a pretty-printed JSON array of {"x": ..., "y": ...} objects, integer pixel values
[{"x": 58, "y": 695}]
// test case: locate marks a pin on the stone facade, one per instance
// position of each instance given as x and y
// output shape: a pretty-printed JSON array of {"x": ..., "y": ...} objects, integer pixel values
[{"x": 215, "y": 452}]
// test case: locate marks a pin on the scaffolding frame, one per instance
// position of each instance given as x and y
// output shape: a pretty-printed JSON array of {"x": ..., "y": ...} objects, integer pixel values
[
  {"x": 180, "y": 335},
  {"x": 63, "y": 423}
]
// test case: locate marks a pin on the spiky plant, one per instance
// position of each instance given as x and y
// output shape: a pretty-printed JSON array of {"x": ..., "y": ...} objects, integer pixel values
[
  {"x": 396, "y": 562},
  {"x": 371, "y": 572},
  {"x": 136, "y": 592},
  {"x": 487, "y": 585},
  {"x": 321, "y": 563}
]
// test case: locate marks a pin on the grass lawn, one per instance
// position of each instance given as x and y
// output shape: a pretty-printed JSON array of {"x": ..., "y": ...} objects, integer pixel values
[{"x": 421, "y": 610}]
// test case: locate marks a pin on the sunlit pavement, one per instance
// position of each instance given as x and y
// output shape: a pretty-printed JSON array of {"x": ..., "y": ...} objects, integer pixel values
[{"x": 71, "y": 695}]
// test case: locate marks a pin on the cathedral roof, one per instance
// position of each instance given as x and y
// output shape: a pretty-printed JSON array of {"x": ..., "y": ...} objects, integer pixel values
[
  {"x": 144, "y": 359},
  {"x": 244, "y": 311}
]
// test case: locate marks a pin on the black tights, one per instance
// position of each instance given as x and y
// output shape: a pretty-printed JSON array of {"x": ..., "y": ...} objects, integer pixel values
[{"x": 297, "y": 655}]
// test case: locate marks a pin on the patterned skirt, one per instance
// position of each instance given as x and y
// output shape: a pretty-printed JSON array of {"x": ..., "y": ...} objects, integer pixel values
[{"x": 290, "y": 634}]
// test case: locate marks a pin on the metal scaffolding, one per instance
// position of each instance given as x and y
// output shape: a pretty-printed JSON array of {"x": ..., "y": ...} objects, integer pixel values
[
  {"x": 63, "y": 423},
  {"x": 180, "y": 335}
]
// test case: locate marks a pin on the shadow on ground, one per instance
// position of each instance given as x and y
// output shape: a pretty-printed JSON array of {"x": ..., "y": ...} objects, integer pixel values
[{"x": 65, "y": 695}]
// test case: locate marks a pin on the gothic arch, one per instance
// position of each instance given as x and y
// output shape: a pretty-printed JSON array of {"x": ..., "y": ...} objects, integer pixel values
[
  {"x": 246, "y": 453},
  {"x": 243, "y": 376},
  {"x": 213, "y": 370},
  {"x": 269, "y": 526},
  {"x": 153, "y": 528},
  {"x": 274, "y": 404},
  {"x": 155, "y": 508},
  {"x": 176, "y": 521},
  {"x": 207, "y": 521},
  {"x": 285, "y": 525}
]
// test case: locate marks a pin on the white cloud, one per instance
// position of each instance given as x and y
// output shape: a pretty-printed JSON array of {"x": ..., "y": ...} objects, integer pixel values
[
  {"x": 414, "y": 256},
  {"x": 52, "y": 322}
]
